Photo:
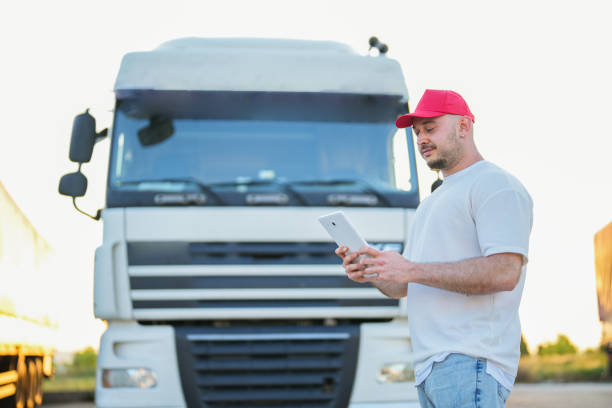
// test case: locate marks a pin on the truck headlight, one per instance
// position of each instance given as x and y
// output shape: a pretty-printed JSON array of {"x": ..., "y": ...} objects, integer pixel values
[
  {"x": 396, "y": 372},
  {"x": 128, "y": 378}
]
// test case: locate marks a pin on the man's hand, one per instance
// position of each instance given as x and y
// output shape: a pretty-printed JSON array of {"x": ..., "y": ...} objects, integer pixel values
[
  {"x": 389, "y": 266},
  {"x": 356, "y": 271},
  {"x": 353, "y": 269}
]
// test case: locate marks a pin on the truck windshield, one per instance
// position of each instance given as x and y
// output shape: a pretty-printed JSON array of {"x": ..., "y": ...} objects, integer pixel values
[{"x": 157, "y": 152}]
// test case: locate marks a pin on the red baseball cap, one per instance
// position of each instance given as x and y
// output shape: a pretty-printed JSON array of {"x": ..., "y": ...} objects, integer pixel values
[{"x": 436, "y": 103}]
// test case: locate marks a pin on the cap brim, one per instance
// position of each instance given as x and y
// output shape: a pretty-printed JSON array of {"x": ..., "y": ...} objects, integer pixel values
[{"x": 405, "y": 121}]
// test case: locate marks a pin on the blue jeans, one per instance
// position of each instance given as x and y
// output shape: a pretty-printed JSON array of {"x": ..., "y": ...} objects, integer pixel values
[{"x": 461, "y": 381}]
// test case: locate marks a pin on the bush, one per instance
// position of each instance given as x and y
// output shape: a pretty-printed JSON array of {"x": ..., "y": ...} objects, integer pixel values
[
  {"x": 562, "y": 346},
  {"x": 77, "y": 376},
  {"x": 588, "y": 366},
  {"x": 524, "y": 348},
  {"x": 83, "y": 362}
]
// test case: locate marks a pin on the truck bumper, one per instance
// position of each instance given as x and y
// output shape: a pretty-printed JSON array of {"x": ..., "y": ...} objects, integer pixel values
[
  {"x": 130, "y": 345},
  {"x": 382, "y": 345}
]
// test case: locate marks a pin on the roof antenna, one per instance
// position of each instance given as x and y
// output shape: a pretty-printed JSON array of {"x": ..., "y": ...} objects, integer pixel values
[{"x": 382, "y": 48}]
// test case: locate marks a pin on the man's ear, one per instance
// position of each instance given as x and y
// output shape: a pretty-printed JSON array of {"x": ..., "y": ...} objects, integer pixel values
[{"x": 464, "y": 125}]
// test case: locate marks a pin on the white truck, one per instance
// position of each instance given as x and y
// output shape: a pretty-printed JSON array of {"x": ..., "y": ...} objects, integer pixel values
[
  {"x": 26, "y": 333},
  {"x": 219, "y": 286}
]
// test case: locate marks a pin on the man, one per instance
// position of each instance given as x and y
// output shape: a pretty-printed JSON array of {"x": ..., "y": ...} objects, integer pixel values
[{"x": 463, "y": 270}]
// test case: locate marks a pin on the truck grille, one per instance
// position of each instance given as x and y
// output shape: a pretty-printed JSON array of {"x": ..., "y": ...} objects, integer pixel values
[
  {"x": 232, "y": 281},
  {"x": 231, "y": 253},
  {"x": 272, "y": 367}
]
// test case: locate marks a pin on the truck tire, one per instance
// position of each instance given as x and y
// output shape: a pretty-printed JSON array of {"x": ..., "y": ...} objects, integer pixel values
[
  {"x": 32, "y": 384},
  {"x": 38, "y": 395},
  {"x": 21, "y": 394},
  {"x": 28, "y": 392}
]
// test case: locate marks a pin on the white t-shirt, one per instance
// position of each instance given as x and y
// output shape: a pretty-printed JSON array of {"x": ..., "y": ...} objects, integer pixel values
[{"x": 478, "y": 211}]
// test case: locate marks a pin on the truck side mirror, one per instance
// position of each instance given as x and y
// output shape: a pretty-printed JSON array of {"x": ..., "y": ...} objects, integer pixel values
[
  {"x": 82, "y": 141},
  {"x": 73, "y": 184},
  {"x": 84, "y": 137}
]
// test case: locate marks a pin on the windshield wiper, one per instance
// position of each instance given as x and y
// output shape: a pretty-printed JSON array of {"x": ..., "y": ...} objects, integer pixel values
[
  {"x": 283, "y": 185},
  {"x": 367, "y": 187},
  {"x": 204, "y": 188}
]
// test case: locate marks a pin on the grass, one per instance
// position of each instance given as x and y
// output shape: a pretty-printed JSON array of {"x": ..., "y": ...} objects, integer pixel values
[
  {"x": 79, "y": 375},
  {"x": 70, "y": 382},
  {"x": 591, "y": 366}
]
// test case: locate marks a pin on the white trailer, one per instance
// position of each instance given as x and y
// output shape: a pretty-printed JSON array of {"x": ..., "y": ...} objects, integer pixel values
[
  {"x": 26, "y": 346},
  {"x": 219, "y": 286}
]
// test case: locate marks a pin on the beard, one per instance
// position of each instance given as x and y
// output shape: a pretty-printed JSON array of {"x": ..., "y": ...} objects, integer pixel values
[
  {"x": 438, "y": 164},
  {"x": 448, "y": 156}
]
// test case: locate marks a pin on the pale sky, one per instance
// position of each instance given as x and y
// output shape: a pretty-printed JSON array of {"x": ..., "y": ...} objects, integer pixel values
[{"x": 536, "y": 74}]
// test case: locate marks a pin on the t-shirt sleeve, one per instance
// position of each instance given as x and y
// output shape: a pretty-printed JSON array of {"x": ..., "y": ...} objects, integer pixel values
[{"x": 503, "y": 216}]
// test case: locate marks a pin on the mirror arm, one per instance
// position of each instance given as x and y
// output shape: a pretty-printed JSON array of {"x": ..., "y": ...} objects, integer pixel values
[
  {"x": 101, "y": 135},
  {"x": 99, "y": 212},
  {"x": 93, "y": 217}
]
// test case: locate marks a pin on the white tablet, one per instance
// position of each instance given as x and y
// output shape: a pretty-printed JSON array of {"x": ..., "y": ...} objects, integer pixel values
[{"x": 343, "y": 232}]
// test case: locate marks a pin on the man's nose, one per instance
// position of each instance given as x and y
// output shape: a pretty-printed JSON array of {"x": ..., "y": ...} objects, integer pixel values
[{"x": 422, "y": 139}]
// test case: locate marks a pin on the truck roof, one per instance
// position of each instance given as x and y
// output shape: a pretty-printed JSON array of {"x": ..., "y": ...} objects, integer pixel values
[{"x": 259, "y": 65}]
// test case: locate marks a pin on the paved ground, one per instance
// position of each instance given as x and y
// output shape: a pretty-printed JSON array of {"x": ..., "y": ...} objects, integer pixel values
[{"x": 576, "y": 395}]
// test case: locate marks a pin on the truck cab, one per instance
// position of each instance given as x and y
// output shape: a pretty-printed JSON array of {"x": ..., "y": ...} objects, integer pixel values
[{"x": 219, "y": 286}]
